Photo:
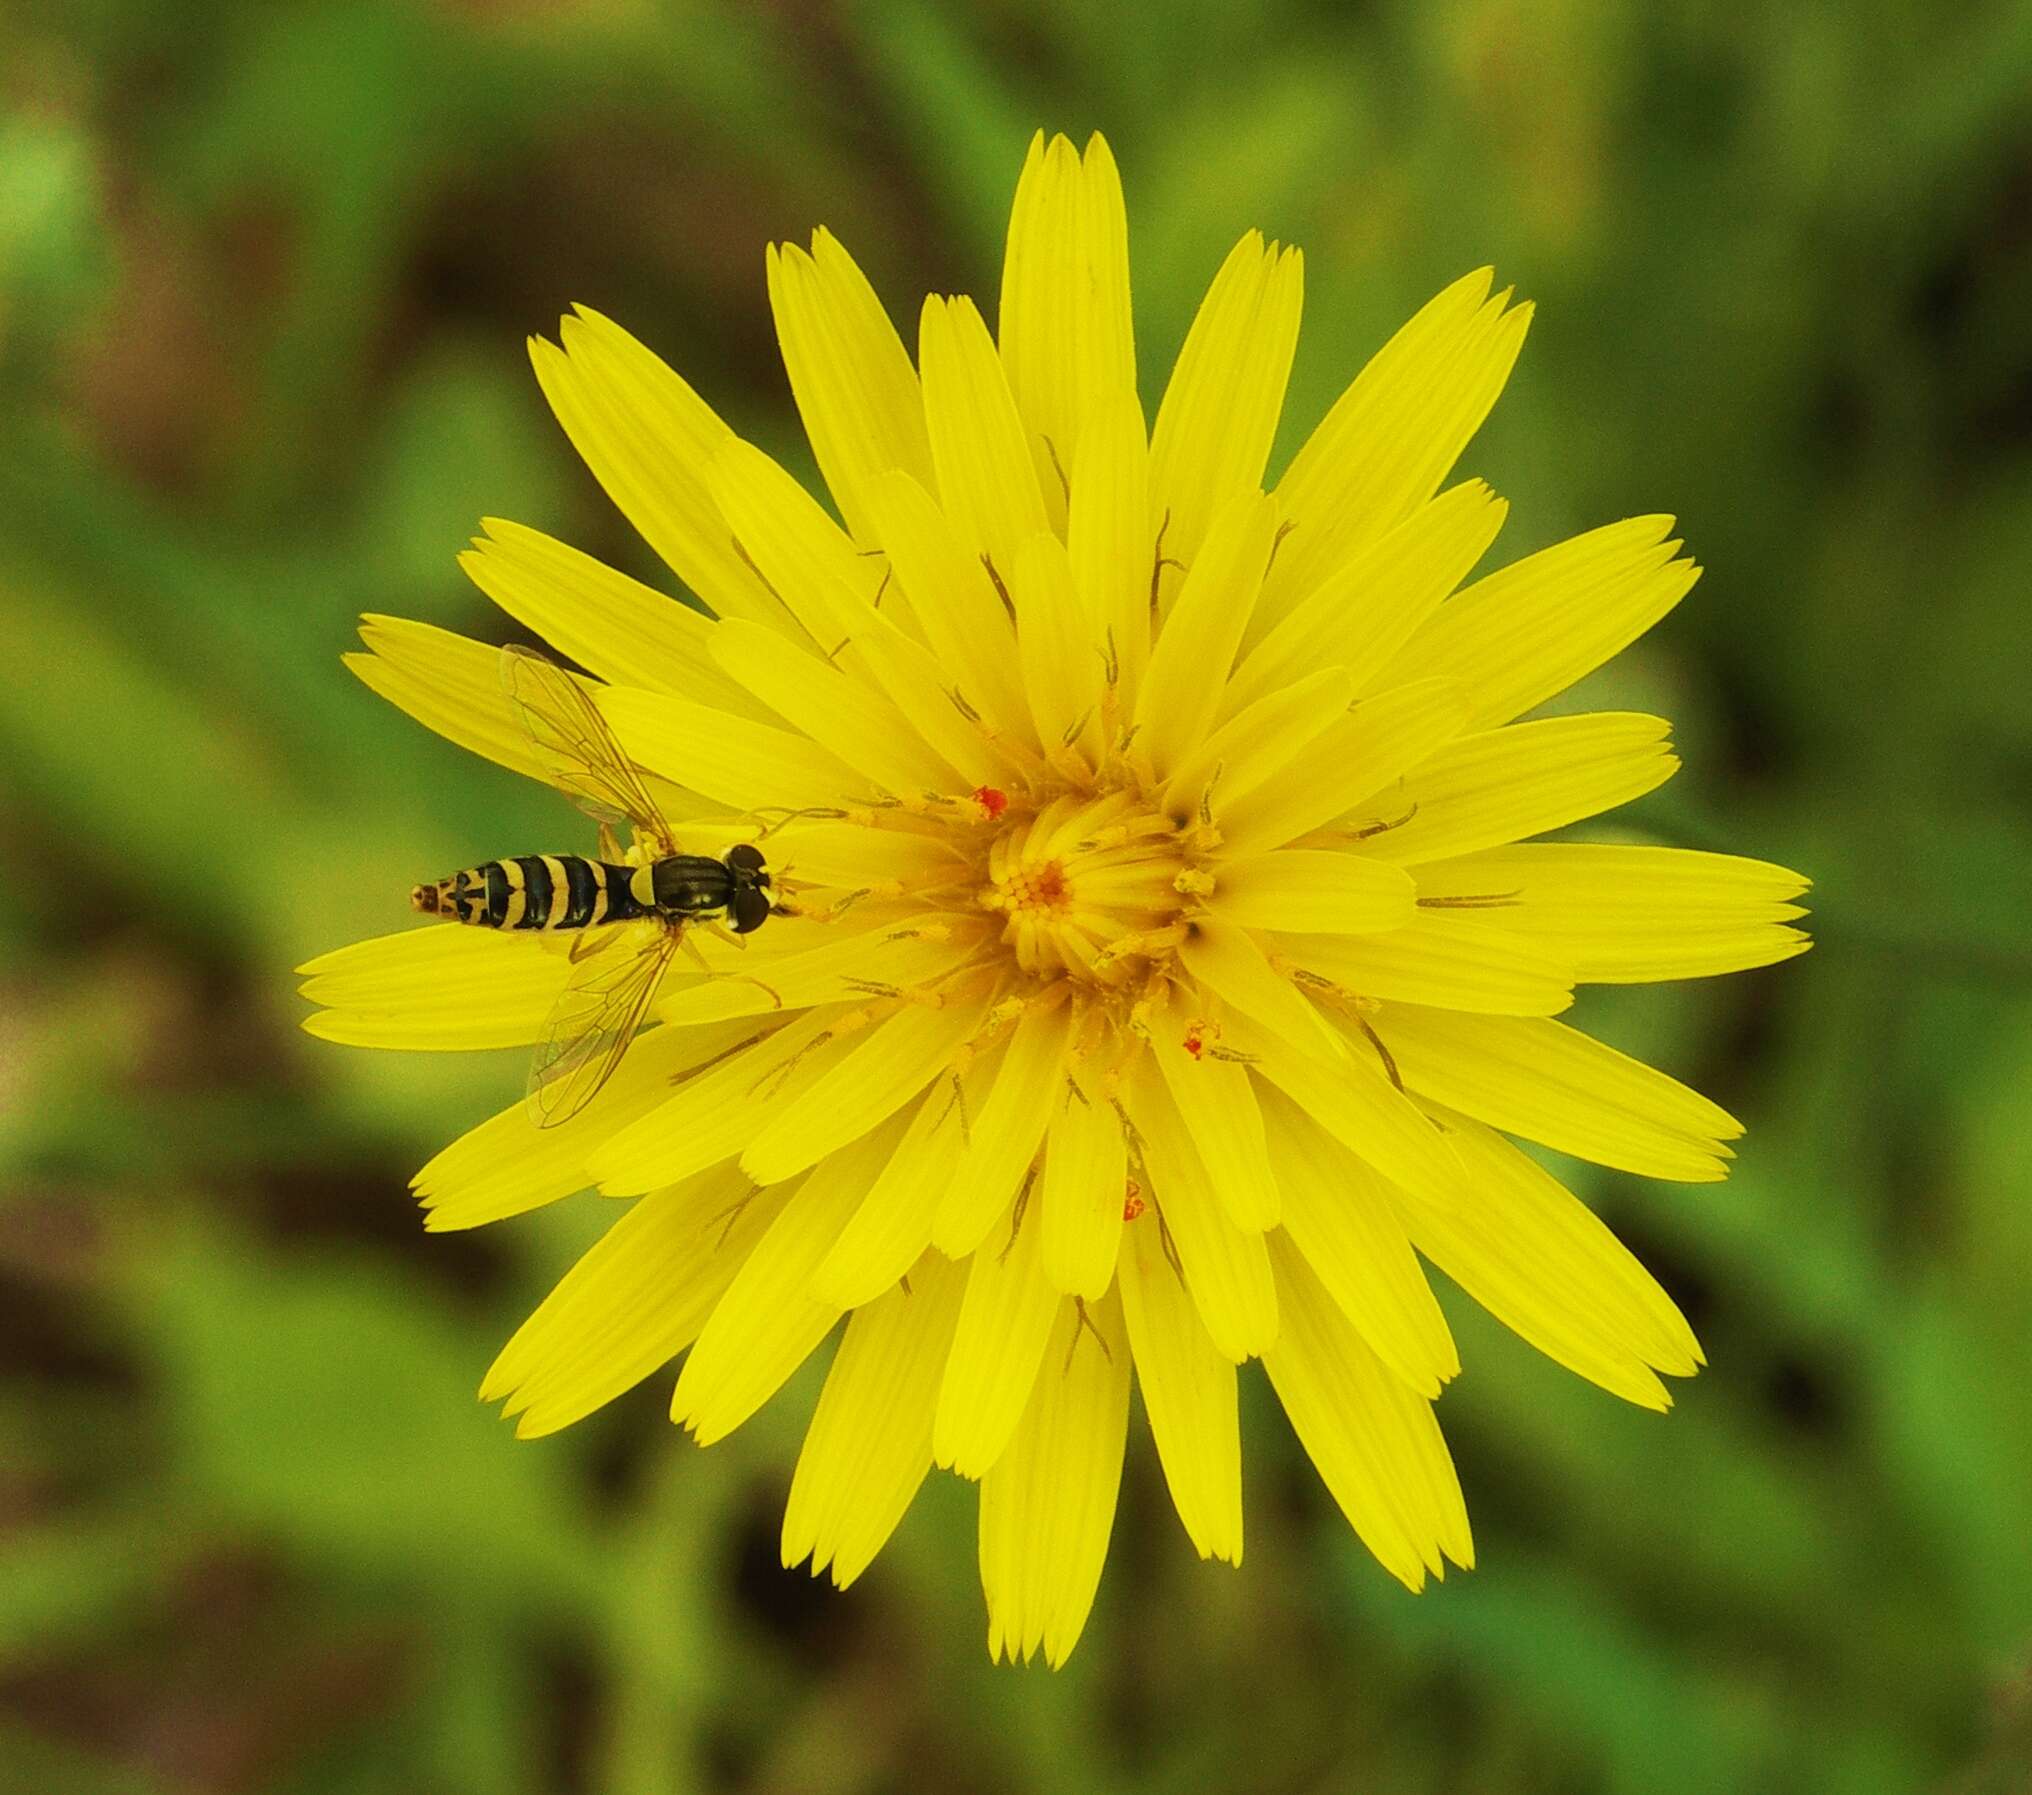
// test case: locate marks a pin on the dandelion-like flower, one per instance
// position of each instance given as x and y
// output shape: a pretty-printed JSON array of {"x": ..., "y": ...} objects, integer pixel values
[{"x": 1168, "y": 968}]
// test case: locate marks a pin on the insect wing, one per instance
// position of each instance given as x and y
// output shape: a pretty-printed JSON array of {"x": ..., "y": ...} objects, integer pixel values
[
  {"x": 595, "y": 1018},
  {"x": 563, "y": 720}
]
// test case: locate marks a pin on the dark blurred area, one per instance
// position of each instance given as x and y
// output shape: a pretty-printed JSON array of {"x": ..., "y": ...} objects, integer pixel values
[{"x": 265, "y": 272}]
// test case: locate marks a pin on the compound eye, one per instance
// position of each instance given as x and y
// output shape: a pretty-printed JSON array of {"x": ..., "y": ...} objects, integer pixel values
[
  {"x": 745, "y": 854},
  {"x": 750, "y": 909}
]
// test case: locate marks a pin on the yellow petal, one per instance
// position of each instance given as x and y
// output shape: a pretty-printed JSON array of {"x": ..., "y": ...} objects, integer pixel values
[
  {"x": 922, "y": 689},
  {"x": 1181, "y": 689},
  {"x": 820, "y": 587},
  {"x": 1534, "y": 627},
  {"x": 869, "y": 1443},
  {"x": 768, "y": 1321},
  {"x": 648, "y": 439},
  {"x": 1230, "y": 963},
  {"x": 1342, "y": 1215},
  {"x": 1254, "y": 745},
  {"x": 435, "y": 988},
  {"x": 1004, "y": 1325},
  {"x": 903, "y": 953},
  {"x": 1374, "y": 1441},
  {"x": 948, "y": 592},
  {"x": 454, "y": 686},
  {"x": 837, "y": 711},
  {"x": 1189, "y": 1394},
  {"x": 1357, "y": 758},
  {"x": 449, "y": 684},
  {"x": 1066, "y": 336},
  {"x": 744, "y": 765},
  {"x": 1442, "y": 957},
  {"x": 1226, "y": 391},
  {"x": 849, "y": 373},
  {"x": 1048, "y": 1502},
  {"x": 1557, "y": 1086},
  {"x": 1315, "y": 891},
  {"x": 892, "y": 1227},
  {"x": 1217, "y": 1100},
  {"x": 1359, "y": 616},
  {"x": 1621, "y": 915},
  {"x": 508, "y": 1164},
  {"x": 711, "y": 1116},
  {"x": 1539, "y": 1260},
  {"x": 1084, "y": 1187},
  {"x": 632, "y": 1303},
  {"x": 853, "y": 856},
  {"x": 617, "y": 627},
  {"x": 986, "y": 477},
  {"x": 833, "y": 594},
  {"x": 1004, "y": 1134},
  {"x": 1062, "y": 654},
  {"x": 882, "y": 1070},
  {"x": 1391, "y": 438},
  {"x": 1109, "y": 539},
  {"x": 1493, "y": 787},
  {"x": 1225, "y": 1267},
  {"x": 1354, "y": 1100}
]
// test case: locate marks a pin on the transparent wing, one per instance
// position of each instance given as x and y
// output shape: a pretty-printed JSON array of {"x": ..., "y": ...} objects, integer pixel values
[
  {"x": 595, "y": 1018},
  {"x": 589, "y": 763}
]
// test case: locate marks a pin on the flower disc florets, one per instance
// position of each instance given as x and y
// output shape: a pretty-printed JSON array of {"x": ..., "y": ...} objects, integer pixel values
[{"x": 1093, "y": 886}]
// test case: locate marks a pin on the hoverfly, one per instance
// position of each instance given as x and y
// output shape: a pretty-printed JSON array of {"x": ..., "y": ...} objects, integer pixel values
[{"x": 630, "y": 919}]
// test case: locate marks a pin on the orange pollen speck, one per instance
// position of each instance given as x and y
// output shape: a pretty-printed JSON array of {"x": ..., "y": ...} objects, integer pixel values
[
  {"x": 1132, "y": 1201},
  {"x": 992, "y": 802},
  {"x": 1195, "y": 1043}
]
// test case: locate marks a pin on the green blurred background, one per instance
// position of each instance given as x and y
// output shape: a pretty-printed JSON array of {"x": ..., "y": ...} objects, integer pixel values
[{"x": 265, "y": 272}]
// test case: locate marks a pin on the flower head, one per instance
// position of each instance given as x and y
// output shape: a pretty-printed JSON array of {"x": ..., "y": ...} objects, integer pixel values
[{"x": 1167, "y": 966}]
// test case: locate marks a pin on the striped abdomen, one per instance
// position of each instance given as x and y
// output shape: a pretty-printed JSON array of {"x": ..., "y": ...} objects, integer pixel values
[{"x": 540, "y": 891}]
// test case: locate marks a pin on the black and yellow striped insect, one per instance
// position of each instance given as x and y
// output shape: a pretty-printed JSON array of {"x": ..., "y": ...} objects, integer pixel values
[{"x": 629, "y": 919}]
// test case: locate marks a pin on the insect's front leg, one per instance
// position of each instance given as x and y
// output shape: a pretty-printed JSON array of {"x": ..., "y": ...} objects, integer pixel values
[{"x": 711, "y": 971}]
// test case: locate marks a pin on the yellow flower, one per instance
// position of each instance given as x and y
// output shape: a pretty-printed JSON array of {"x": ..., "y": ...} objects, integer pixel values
[{"x": 1167, "y": 974}]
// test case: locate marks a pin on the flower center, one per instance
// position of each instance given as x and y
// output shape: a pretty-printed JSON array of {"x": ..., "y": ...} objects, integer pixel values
[{"x": 1089, "y": 885}]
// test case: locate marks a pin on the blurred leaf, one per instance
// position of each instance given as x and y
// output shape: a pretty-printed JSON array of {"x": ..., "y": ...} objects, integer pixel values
[
  {"x": 62, "y": 1583},
  {"x": 53, "y": 254},
  {"x": 967, "y": 133},
  {"x": 52, "y": 1767},
  {"x": 92, "y": 726},
  {"x": 461, "y": 442},
  {"x": 317, "y": 1402}
]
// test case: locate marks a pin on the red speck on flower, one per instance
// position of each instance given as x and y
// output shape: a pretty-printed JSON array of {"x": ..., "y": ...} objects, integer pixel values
[
  {"x": 1195, "y": 1042},
  {"x": 1132, "y": 1201},
  {"x": 992, "y": 802}
]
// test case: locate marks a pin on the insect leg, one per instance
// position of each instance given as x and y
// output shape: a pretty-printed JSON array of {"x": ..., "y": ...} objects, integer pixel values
[
  {"x": 711, "y": 971},
  {"x": 589, "y": 942}
]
